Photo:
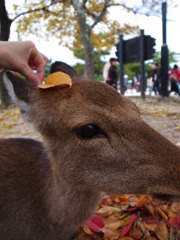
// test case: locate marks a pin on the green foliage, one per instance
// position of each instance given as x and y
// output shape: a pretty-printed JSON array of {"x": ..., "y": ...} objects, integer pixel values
[
  {"x": 47, "y": 68},
  {"x": 79, "y": 67},
  {"x": 98, "y": 63},
  {"x": 173, "y": 58},
  {"x": 132, "y": 69}
]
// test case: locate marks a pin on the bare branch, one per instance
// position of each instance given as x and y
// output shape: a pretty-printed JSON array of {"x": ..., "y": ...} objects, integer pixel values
[
  {"x": 100, "y": 16},
  {"x": 45, "y": 8},
  {"x": 135, "y": 11}
]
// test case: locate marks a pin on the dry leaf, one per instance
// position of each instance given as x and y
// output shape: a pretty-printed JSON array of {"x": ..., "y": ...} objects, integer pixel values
[
  {"x": 162, "y": 214},
  {"x": 161, "y": 231},
  {"x": 137, "y": 233}
]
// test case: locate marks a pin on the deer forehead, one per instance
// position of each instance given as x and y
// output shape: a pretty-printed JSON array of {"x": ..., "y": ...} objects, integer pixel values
[{"x": 87, "y": 102}]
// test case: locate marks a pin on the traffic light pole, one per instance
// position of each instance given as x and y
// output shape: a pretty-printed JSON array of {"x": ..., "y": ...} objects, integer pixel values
[
  {"x": 121, "y": 62},
  {"x": 142, "y": 68},
  {"x": 164, "y": 54},
  {"x": 134, "y": 50}
]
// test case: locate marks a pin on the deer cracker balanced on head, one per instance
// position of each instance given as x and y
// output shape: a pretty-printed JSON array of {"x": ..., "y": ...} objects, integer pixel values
[{"x": 94, "y": 140}]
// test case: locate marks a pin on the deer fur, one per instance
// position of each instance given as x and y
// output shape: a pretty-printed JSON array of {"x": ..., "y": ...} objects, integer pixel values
[{"x": 48, "y": 189}]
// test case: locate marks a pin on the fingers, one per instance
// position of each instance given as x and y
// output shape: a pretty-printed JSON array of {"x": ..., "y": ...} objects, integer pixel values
[
  {"x": 30, "y": 75},
  {"x": 44, "y": 58},
  {"x": 40, "y": 68},
  {"x": 23, "y": 57},
  {"x": 38, "y": 63}
]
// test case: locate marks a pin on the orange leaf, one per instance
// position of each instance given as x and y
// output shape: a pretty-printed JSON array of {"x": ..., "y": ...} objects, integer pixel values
[
  {"x": 121, "y": 198},
  {"x": 150, "y": 208},
  {"x": 127, "y": 238},
  {"x": 108, "y": 233},
  {"x": 162, "y": 214},
  {"x": 161, "y": 231},
  {"x": 57, "y": 79},
  {"x": 113, "y": 225},
  {"x": 150, "y": 227},
  {"x": 140, "y": 200},
  {"x": 87, "y": 230}
]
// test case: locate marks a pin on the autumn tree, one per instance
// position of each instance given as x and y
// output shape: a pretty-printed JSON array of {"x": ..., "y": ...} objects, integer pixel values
[{"x": 80, "y": 24}]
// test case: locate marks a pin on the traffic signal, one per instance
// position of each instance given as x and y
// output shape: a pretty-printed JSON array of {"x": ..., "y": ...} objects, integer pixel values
[{"x": 149, "y": 47}]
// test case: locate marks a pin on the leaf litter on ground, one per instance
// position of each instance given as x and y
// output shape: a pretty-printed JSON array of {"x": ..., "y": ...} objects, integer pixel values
[{"x": 129, "y": 217}]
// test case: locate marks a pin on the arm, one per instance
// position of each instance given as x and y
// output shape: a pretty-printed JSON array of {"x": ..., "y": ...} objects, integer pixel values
[{"x": 23, "y": 57}]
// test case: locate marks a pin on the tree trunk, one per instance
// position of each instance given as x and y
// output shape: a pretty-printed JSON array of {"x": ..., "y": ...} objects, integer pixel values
[
  {"x": 5, "y": 24},
  {"x": 85, "y": 33}
]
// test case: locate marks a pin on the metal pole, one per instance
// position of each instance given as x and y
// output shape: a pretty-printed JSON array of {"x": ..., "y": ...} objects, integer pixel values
[
  {"x": 164, "y": 54},
  {"x": 121, "y": 59},
  {"x": 164, "y": 11},
  {"x": 142, "y": 67}
]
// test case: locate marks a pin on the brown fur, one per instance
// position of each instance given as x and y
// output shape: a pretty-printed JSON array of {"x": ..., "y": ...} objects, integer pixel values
[{"x": 47, "y": 192}]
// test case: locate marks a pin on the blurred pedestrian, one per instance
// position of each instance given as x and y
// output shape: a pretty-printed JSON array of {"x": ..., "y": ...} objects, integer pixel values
[
  {"x": 112, "y": 74},
  {"x": 106, "y": 70},
  {"x": 174, "y": 78},
  {"x": 156, "y": 78}
]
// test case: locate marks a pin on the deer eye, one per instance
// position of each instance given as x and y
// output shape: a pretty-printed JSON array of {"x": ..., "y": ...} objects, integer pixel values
[{"x": 89, "y": 131}]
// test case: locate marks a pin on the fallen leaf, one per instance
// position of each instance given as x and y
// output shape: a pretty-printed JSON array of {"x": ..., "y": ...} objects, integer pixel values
[
  {"x": 127, "y": 228},
  {"x": 161, "y": 231},
  {"x": 162, "y": 214},
  {"x": 110, "y": 234},
  {"x": 136, "y": 233},
  {"x": 174, "y": 222},
  {"x": 105, "y": 211},
  {"x": 95, "y": 223},
  {"x": 150, "y": 227}
]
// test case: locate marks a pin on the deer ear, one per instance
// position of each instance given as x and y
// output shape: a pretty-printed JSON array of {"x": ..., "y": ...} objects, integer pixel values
[
  {"x": 20, "y": 90},
  {"x": 59, "y": 66}
]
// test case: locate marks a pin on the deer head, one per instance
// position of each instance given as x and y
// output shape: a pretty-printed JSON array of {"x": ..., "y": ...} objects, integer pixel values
[{"x": 98, "y": 138}]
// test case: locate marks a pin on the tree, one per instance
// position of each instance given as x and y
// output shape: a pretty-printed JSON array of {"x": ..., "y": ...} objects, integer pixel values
[
  {"x": 76, "y": 20},
  {"x": 98, "y": 62},
  {"x": 5, "y": 22},
  {"x": 79, "y": 23}
]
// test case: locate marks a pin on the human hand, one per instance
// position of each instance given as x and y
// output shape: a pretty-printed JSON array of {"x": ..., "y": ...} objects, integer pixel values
[{"x": 23, "y": 57}]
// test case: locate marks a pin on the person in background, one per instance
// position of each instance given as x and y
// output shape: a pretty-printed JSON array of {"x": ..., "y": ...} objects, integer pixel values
[
  {"x": 23, "y": 57},
  {"x": 112, "y": 74},
  {"x": 174, "y": 78},
  {"x": 106, "y": 70},
  {"x": 156, "y": 78}
]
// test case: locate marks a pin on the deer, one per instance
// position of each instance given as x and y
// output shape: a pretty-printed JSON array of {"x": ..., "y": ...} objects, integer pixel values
[{"x": 93, "y": 140}]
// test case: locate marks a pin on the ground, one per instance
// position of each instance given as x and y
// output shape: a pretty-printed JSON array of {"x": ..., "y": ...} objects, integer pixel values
[{"x": 163, "y": 114}]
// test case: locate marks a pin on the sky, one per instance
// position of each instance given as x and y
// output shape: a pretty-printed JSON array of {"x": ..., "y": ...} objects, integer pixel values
[{"x": 151, "y": 25}]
